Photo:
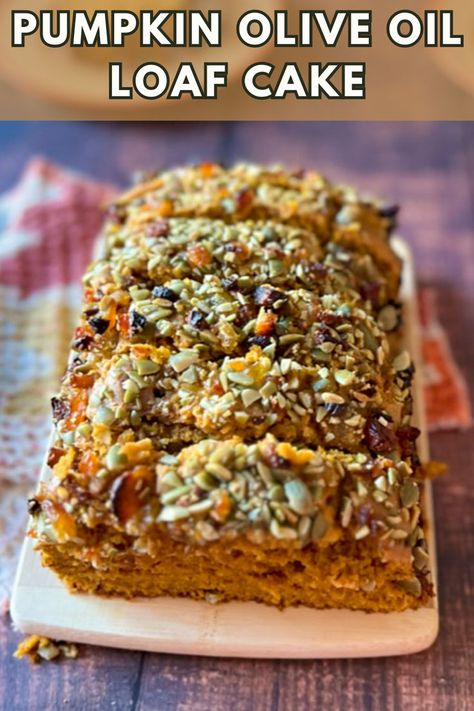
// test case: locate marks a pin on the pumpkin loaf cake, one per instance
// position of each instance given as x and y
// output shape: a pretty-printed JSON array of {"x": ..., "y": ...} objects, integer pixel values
[{"x": 235, "y": 419}]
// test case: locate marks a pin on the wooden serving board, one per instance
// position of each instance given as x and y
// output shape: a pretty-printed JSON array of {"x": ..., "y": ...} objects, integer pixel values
[{"x": 40, "y": 604}]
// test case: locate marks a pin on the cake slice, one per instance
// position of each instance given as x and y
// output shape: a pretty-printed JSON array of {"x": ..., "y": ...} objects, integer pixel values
[{"x": 224, "y": 520}]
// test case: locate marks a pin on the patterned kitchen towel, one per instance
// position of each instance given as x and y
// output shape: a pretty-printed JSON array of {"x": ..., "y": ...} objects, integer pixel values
[
  {"x": 48, "y": 224},
  {"x": 446, "y": 394}
]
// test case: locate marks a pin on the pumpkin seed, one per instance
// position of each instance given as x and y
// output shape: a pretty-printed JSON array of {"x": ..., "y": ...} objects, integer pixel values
[
  {"x": 388, "y": 318},
  {"x": 104, "y": 415},
  {"x": 268, "y": 389},
  {"x": 275, "y": 267},
  {"x": 299, "y": 496},
  {"x": 205, "y": 481},
  {"x": 182, "y": 360},
  {"x": 131, "y": 392},
  {"x": 320, "y": 356},
  {"x": 114, "y": 459},
  {"x": 344, "y": 377},
  {"x": 421, "y": 558},
  {"x": 239, "y": 378},
  {"x": 412, "y": 586},
  {"x": 401, "y": 362},
  {"x": 146, "y": 367},
  {"x": 320, "y": 384},
  {"x": 409, "y": 493},
  {"x": 170, "y": 479},
  {"x": 135, "y": 419},
  {"x": 249, "y": 396}
]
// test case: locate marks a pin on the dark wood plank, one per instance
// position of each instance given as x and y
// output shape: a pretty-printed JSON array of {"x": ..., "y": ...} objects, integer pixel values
[{"x": 429, "y": 169}]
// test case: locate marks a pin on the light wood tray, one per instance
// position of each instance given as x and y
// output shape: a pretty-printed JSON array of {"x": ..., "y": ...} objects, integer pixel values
[{"x": 42, "y": 605}]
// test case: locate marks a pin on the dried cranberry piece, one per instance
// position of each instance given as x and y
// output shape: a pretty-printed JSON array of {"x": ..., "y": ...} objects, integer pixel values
[
  {"x": 299, "y": 174},
  {"x": 34, "y": 506},
  {"x": 330, "y": 319},
  {"x": 197, "y": 320},
  {"x": 245, "y": 313},
  {"x": 244, "y": 198},
  {"x": 158, "y": 228},
  {"x": 137, "y": 323},
  {"x": 262, "y": 341},
  {"x": 324, "y": 334},
  {"x": 407, "y": 437},
  {"x": 266, "y": 296},
  {"x": 230, "y": 283},
  {"x": 379, "y": 438},
  {"x": 240, "y": 250},
  {"x": 389, "y": 211},
  {"x": 275, "y": 460},
  {"x": 92, "y": 311},
  {"x": 54, "y": 455},
  {"x": 98, "y": 324},
  {"x": 82, "y": 343},
  {"x": 315, "y": 271},
  {"x": 364, "y": 514},
  {"x": 370, "y": 291},
  {"x": 162, "y": 292},
  {"x": 60, "y": 408},
  {"x": 117, "y": 213}
]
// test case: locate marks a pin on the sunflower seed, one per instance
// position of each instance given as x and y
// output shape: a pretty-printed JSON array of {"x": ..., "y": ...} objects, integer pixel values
[
  {"x": 200, "y": 507},
  {"x": 219, "y": 471},
  {"x": 171, "y": 496},
  {"x": 173, "y": 513},
  {"x": 320, "y": 526},
  {"x": 361, "y": 533},
  {"x": 346, "y": 512},
  {"x": 282, "y": 532}
]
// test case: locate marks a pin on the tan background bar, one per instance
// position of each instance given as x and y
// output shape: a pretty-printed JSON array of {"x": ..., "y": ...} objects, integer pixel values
[{"x": 415, "y": 83}]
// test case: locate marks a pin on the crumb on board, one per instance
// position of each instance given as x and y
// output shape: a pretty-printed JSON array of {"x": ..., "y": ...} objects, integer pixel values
[{"x": 38, "y": 649}]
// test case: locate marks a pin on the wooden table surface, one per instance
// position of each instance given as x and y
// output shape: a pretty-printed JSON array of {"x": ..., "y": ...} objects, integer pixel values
[{"x": 429, "y": 169}]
